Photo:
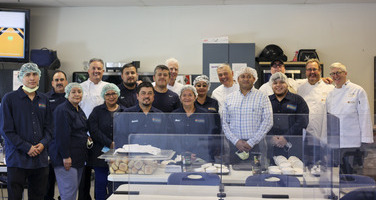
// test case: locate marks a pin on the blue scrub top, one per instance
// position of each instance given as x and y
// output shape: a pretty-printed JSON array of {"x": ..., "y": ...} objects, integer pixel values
[
  {"x": 55, "y": 99},
  {"x": 127, "y": 98},
  {"x": 166, "y": 102}
]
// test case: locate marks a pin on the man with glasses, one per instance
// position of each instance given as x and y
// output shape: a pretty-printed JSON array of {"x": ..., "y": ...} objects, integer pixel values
[
  {"x": 314, "y": 91},
  {"x": 56, "y": 96},
  {"x": 349, "y": 103}
]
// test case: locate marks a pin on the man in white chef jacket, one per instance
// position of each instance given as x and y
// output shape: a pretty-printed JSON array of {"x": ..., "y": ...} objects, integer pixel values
[
  {"x": 314, "y": 91},
  {"x": 349, "y": 103}
]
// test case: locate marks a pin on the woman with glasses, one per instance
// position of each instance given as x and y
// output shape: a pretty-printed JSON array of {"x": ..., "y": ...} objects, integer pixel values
[
  {"x": 101, "y": 131},
  {"x": 68, "y": 150}
]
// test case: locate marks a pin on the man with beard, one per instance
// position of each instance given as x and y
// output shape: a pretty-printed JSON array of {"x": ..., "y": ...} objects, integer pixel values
[
  {"x": 349, "y": 102},
  {"x": 247, "y": 116},
  {"x": 141, "y": 118},
  {"x": 92, "y": 89},
  {"x": 314, "y": 91},
  {"x": 56, "y": 96},
  {"x": 165, "y": 99},
  {"x": 290, "y": 117},
  {"x": 173, "y": 66},
  {"x": 226, "y": 77},
  {"x": 127, "y": 88}
]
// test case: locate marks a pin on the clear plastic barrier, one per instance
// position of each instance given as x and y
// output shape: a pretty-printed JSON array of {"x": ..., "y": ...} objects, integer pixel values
[{"x": 193, "y": 157}]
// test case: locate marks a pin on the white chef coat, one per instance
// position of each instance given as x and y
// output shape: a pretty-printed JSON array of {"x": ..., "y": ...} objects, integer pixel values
[
  {"x": 221, "y": 92},
  {"x": 91, "y": 96},
  {"x": 176, "y": 88},
  {"x": 350, "y": 105},
  {"x": 315, "y": 97}
]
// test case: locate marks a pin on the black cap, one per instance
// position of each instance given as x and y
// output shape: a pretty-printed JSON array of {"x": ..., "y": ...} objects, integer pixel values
[{"x": 276, "y": 60}]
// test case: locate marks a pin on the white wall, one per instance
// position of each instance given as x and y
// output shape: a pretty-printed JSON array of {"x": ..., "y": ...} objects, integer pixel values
[{"x": 339, "y": 32}]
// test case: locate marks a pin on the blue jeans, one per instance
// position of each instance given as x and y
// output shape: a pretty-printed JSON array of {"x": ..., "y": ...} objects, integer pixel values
[{"x": 102, "y": 188}]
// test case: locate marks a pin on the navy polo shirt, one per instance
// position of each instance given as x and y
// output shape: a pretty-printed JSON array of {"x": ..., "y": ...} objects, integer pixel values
[
  {"x": 55, "y": 99},
  {"x": 127, "y": 98},
  {"x": 134, "y": 121},
  {"x": 25, "y": 123},
  {"x": 101, "y": 131},
  {"x": 166, "y": 102},
  {"x": 70, "y": 136},
  {"x": 210, "y": 104},
  {"x": 290, "y": 115}
]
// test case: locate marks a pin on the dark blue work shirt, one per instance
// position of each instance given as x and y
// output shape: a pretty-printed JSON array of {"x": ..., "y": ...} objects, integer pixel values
[
  {"x": 55, "y": 99},
  {"x": 166, "y": 102},
  {"x": 210, "y": 104},
  {"x": 25, "y": 123},
  {"x": 101, "y": 131},
  {"x": 290, "y": 115},
  {"x": 70, "y": 136},
  {"x": 134, "y": 121},
  {"x": 127, "y": 98}
]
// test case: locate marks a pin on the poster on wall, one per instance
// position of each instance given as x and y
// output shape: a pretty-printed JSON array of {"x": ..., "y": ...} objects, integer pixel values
[{"x": 213, "y": 76}]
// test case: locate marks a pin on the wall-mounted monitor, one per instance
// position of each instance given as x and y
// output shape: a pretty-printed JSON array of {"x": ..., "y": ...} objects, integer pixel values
[{"x": 14, "y": 35}]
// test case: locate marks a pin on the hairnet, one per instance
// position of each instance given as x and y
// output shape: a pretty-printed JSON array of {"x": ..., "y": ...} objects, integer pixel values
[
  {"x": 28, "y": 68},
  {"x": 247, "y": 70},
  {"x": 109, "y": 87},
  {"x": 278, "y": 75},
  {"x": 69, "y": 87},
  {"x": 188, "y": 87},
  {"x": 338, "y": 65},
  {"x": 202, "y": 78}
]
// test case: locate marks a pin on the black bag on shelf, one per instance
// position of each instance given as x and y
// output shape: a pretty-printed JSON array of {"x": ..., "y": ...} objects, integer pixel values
[
  {"x": 306, "y": 54},
  {"x": 45, "y": 58},
  {"x": 271, "y": 52}
]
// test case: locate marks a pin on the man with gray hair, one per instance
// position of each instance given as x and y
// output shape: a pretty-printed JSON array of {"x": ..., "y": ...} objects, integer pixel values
[
  {"x": 247, "y": 114},
  {"x": 349, "y": 103},
  {"x": 27, "y": 129},
  {"x": 226, "y": 77},
  {"x": 173, "y": 84}
]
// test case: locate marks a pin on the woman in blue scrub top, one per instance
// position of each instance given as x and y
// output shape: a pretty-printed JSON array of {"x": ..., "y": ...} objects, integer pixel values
[
  {"x": 101, "y": 131},
  {"x": 191, "y": 120},
  {"x": 68, "y": 149}
]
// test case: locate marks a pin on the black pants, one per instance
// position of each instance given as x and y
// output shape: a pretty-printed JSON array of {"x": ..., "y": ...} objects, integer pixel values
[
  {"x": 36, "y": 180},
  {"x": 85, "y": 184},
  {"x": 50, "y": 193}
]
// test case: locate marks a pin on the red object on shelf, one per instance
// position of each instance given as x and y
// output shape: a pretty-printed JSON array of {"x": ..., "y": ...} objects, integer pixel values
[{"x": 296, "y": 56}]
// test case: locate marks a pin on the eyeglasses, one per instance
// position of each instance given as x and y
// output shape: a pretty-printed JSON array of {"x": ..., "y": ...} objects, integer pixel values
[
  {"x": 57, "y": 80},
  {"x": 110, "y": 94},
  {"x": 311, "y": 69},
  {"x": 203, "y": 85},
  {"x": 277, "y": 65},
  {"x": 335, "y": 73}
]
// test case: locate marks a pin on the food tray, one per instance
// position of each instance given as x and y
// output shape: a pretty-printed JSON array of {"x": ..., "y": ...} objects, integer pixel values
[{"x": 164, "y": 155}]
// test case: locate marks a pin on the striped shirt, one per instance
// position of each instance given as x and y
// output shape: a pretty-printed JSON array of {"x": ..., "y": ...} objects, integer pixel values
[{"x": 248, "y": 117}]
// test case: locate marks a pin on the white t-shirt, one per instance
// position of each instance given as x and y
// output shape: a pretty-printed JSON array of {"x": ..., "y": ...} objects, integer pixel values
[{"x": 221, "y": 92}]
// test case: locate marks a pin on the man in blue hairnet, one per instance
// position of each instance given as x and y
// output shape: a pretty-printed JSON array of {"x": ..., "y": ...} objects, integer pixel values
[{"x": 26, "y": 129}]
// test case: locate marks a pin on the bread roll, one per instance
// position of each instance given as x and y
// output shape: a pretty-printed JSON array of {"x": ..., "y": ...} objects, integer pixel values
[
  {"x": 123, "y": 166},
  {"x": 138, "y": 164}
]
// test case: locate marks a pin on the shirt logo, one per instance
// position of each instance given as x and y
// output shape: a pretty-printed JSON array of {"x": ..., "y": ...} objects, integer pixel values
[
  {"x": 212, "y": 109},
  {"x": 170, "y": 96},
  {"x": 52, "y": 100},
  {"x": 199, "y": 120},
  {"x": 291, "y": 107},
  {"x": 42, "y": 105},
  {"x": 177, "y": 120},
  {"x": 156, "y": 120},
  {"x": 134, "y": 121}
]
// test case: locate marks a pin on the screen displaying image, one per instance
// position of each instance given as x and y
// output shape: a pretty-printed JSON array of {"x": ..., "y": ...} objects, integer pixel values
[{"x": 13, "y": 35}]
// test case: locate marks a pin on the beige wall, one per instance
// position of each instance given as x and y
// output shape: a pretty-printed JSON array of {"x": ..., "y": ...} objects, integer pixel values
[{"x": 339, "y": 32}]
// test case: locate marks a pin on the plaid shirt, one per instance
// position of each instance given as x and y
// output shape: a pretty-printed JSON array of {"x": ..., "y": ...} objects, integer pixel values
[{"x": 248, "y": 117}]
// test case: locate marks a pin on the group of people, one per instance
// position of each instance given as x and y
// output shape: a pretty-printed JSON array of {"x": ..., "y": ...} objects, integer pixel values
[{"x": 73, "y": 124}]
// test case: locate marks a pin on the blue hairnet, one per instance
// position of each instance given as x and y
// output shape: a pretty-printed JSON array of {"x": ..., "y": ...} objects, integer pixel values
[
  {"x": 108, "y": 87},
  {"x": 202, "y": 78},
  {"x": 69, "y": 87},
  {"x": 28, "y": 68}
]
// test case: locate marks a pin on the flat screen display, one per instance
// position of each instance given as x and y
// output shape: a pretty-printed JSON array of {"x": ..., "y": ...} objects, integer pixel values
[{"x": 14, "y": 35}]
